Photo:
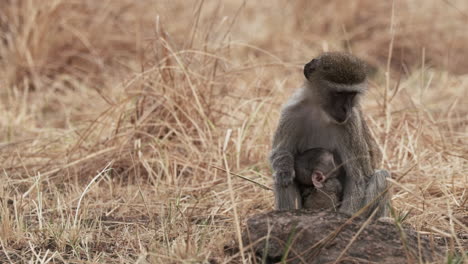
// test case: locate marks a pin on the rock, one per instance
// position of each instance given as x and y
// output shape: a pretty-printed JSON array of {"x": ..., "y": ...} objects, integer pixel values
[{"x": 321, "y": 236}]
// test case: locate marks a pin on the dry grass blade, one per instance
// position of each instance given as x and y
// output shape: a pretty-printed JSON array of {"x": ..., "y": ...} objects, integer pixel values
[
  {"x": 90, "y": 184},
  {"x": 247, "y": 179}
]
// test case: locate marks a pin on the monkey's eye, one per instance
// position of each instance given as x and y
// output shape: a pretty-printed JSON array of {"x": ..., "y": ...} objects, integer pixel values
[
  {"x": 338, "y": 94},
  {"x": 326, "y": 68},
  {"x": 341, "y": 94}
]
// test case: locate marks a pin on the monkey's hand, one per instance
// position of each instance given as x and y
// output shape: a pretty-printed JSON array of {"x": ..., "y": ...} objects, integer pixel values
[{"x": 284, "y": 178}]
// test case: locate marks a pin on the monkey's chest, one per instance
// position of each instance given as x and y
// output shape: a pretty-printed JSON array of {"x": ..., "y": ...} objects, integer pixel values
[{"x": 316, "y": 136}]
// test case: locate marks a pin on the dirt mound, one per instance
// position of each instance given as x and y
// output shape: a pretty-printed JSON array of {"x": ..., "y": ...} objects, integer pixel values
[{"x": 324, "y": 236}]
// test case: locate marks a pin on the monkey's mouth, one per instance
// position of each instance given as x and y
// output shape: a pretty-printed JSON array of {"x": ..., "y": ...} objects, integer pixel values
[{"x": 341, "y": 119}]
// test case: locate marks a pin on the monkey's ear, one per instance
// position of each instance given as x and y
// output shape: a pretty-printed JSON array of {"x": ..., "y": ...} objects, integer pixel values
[
  {"x": 317, "y": 179},
  {"x": 309, "y": 68}
]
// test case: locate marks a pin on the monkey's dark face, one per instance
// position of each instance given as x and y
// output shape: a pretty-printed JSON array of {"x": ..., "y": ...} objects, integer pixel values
[{"x": 339, "y": 105}]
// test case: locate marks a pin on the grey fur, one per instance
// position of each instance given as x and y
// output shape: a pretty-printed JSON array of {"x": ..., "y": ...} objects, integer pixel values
[
  {"x": 326, "y": 197},
  {"x": 316, "y": 159},
  {"x": 302, "y": 192},
  {"x": 307, "y": 122},
  {"x": 318, "y": 164},
  {"x": 287, "y": 197}
]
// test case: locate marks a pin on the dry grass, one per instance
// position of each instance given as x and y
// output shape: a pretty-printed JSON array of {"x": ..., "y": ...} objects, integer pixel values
[{"x": 116, "y": 113}]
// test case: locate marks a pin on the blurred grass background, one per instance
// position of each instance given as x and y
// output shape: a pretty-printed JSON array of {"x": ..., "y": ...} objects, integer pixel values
[{"x": 117, "y": 114}]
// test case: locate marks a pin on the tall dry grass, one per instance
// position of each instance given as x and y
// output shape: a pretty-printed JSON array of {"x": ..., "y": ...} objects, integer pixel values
[{"x": 119, "y": 119}]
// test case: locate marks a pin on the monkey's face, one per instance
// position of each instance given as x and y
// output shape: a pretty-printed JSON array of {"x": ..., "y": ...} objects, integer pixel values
[{"x": 339, "y": 105}]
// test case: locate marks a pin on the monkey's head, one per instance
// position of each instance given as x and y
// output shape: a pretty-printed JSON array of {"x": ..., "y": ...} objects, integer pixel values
[{"x": 339, "y": 79}]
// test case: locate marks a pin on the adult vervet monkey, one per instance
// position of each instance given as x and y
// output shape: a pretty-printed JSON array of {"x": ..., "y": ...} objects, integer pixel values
[{"x": 325, "y": 113}]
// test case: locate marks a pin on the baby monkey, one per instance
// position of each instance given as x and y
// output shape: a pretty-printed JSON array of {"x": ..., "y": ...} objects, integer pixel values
[{"x": 317, "y": 178}]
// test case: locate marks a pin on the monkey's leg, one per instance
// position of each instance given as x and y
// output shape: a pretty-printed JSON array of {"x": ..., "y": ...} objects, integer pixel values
[
  {"x": 377, "y": 193},
  {"x": 353, "y": 196},
  {"x": 282, "y": 163},
  {"x": 287, "y": 198}
]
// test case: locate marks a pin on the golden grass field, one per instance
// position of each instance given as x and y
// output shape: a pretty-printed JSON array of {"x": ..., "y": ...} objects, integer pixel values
[{"x": 120, "y": 118}]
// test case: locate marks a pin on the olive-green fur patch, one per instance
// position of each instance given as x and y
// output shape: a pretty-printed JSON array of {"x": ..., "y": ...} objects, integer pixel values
[{"x": 343, "y": 68}]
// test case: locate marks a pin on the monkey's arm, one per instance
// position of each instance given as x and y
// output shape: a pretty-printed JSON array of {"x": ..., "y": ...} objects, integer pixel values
[
  {"x": 283, "y": 149},
  {"x": 374, "y": 150},
  {"x": 287, "y": 194}
]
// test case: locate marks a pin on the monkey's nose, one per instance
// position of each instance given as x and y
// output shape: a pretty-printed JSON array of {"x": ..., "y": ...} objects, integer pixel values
[{"x": 344, "y": 110}]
